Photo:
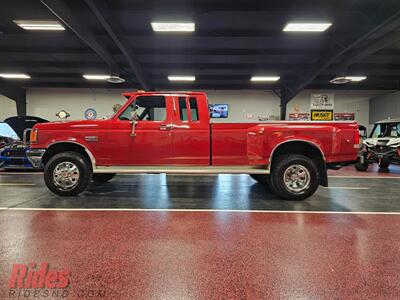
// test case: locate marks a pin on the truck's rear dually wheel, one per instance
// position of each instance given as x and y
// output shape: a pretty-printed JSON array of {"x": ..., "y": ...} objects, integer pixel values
[
  {"x": 67, "y": 173},
  {"x": 294, "y": 177}
]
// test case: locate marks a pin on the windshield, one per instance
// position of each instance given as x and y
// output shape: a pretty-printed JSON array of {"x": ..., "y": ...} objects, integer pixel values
[
  {"x": 386, "y": 130},
  {"x": 7, "y": 131}
]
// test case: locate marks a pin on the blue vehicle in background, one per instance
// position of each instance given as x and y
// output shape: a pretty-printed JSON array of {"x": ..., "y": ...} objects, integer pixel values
[{"x": 13, "y": 144}]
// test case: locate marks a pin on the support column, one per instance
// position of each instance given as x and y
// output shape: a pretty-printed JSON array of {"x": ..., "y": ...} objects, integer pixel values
[
  {"x": 283, "y": 104},
  {"x": 21, "y": 102}
]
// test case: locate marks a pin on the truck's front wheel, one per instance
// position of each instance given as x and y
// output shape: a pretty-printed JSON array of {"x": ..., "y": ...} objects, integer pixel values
[
  {"x": 294, "y": 177},
  {"x": 67, "y": 173}
]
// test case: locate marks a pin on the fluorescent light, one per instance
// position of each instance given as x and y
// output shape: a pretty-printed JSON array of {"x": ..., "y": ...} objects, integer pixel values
[
  {"x": 15, "y": 75},
  {"x": 356, "y": 78},
  {"x": 181, "y": 78},
  {"x": 171, "y": 27},
  {"x": 39, "y": 25},
  {"x": 96, "y": 77},
  {"x": 307, "y": 27},
  {"x": 264, "y": 78}
]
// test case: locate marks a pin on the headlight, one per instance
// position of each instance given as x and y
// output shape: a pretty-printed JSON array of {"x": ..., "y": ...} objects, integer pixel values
[{"x": 34, "y": 136}]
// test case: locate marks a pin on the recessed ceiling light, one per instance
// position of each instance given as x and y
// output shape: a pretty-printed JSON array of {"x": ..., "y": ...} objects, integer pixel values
[
  {"x": 356, "y": 78},
  {"x": 181, "y": 78},
  {"x": 307, "y": 27},
  {"x": 171, "y": 27},
  {"x": 347, "y": 79},
  {"x": 14, "y": 75},
  {"x": 96, "y": 77},
  {"x": 39, "y": 25},
  {"x": 264, "y": 78}
]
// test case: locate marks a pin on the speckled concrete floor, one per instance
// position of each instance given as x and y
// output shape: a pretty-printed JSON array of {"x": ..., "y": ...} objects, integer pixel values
[{"x": 296, "y": 253}]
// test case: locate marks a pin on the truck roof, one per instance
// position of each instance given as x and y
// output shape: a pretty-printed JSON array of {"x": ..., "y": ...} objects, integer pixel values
[{"x": 130, "y": 94}]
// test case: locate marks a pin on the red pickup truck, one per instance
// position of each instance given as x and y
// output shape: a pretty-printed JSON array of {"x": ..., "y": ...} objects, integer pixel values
[{"x": 171, "y": 132}]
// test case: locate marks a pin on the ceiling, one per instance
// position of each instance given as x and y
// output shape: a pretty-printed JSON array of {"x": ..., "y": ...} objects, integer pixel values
[{"x": 233, "y": 41}]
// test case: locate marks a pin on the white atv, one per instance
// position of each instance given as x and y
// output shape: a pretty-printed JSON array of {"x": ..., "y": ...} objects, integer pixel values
[{"x": 382, "y": 146}]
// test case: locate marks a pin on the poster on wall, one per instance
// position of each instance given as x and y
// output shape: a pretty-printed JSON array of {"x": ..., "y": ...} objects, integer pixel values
[
  {"x": 322, "y": 101},
  {"x": 322, "y": 115},
  {"x": 299, "y": 116},
  {"x": 344, "y": 117}
]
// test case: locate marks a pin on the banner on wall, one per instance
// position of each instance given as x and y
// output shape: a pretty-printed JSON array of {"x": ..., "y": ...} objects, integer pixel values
[
  {"x": 344, "y": 117},
  {"x": 322, "y": 101},
  {"x": 299, "y": 116},
  {"x": 322, "y": 115}
]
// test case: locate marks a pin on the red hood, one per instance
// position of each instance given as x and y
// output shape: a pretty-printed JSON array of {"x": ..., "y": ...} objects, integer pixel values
[{"x": 71, "y": 125}]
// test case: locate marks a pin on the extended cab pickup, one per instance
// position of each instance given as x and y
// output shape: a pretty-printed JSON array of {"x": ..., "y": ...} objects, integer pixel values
[{"x": 171, "y": 132}]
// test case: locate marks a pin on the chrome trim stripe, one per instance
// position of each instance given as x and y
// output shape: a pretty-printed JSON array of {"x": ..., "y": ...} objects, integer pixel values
[{"x": 182, "y": 170}]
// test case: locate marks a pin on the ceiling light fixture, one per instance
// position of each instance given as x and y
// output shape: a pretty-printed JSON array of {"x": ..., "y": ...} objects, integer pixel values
[
  {"x": 347, "y": 79},
  {"x": 14, "y": 76},
  {"x": 39, "y": 25},
  {"x": 307, "y": 27},
  {"x": 173, "y": 27},
  {"x": 356, "y": 78},
  {"x": 181, "y": 78},
  {"x": 96, "y": 77},
  {"x": 264, "y": 78}
]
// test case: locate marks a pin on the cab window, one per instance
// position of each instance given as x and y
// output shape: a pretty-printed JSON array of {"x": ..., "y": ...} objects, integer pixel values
[
  {"x": 183, "y": 112},
  {"x": 146, "y": 108},
  {"x": 194, "y": 111}
]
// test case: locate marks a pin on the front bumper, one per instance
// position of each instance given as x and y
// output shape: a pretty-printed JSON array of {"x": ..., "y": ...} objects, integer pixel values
[{"x": 35, "y": 157}]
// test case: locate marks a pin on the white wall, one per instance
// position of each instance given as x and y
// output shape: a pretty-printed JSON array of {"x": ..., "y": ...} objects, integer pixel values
[
  {"x": 385, "y": 106},
  {"x": 345, "y": 101},
  {"x": 46, "y": 103},
  {"x": 8, "y": 108},
  {"x": 244, "y": 105}
]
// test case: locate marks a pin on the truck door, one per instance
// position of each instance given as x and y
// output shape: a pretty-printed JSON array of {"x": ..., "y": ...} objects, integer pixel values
[
  {"x": 151, "y": 143},
  {"x": 191, "y": 132}
]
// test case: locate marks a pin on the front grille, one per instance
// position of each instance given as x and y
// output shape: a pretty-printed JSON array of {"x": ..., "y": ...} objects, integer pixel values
[
  {"x": 16, "y": 160},
  {"x": 16, "y": 153}
]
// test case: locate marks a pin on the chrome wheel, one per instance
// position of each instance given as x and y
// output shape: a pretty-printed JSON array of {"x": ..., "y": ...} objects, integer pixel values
[
  {"x": 66, "y": 175},
  {"x": 297, "y": 179}
]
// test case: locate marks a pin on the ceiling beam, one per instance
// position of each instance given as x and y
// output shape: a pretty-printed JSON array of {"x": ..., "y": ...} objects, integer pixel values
[
  {"x": 121, "y": 44},
  {"x": 65, "y": 14},
  {"x": 324, "y": 62}
]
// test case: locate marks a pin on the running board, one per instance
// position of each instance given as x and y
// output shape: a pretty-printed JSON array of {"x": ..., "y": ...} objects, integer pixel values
[{"x": 182, "y": 169}]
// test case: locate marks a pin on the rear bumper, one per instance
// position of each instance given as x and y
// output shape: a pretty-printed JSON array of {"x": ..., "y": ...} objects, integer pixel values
[{"x": 35, "y": 157}]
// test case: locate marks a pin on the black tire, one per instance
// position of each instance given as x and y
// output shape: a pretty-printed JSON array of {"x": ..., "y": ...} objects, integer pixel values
[
  {"x": 102, "y": 177},
  {"x": 282, "y": 164},
  {"x": 361, "y": 167},
  {"x": 384, "y": 163},
  {"x": 79, "y": 184},
  {"x": 262, "y": 179}
]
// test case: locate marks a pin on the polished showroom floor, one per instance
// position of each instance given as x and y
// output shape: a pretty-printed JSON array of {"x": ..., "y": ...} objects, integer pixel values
[{"x": 202, "y": 237}]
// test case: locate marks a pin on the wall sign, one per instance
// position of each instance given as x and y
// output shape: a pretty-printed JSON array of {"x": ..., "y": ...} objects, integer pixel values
[
  {"x": 322, "y": 115},
  {"x": 90, "y": 114},
  {"x": 62, "y": 114},
  {"x": 299, "y": 116},
  {"x": 322, "y": 101},
  {"x": 344, "y": 117}
]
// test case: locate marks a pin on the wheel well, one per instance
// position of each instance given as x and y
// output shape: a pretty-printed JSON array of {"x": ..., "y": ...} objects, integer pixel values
[
  {"x": 63, "y": 147},
  {"x": 306, "y": 149}
]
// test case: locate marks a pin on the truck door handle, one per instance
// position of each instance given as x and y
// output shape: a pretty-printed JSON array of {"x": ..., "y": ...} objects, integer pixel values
[{"x": 166, "y": 127}]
